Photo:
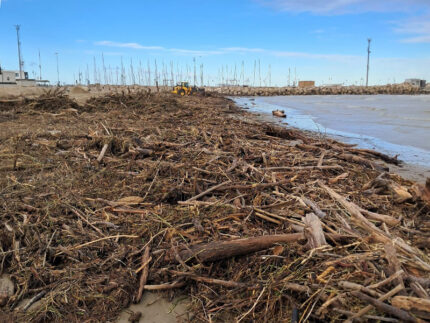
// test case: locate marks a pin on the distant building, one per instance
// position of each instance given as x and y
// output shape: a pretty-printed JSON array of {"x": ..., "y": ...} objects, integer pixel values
[
  {"x": 303, "y": 84},
  {"x": 416, "y": 82},
  {"x": 8, "y": 78},
  {"x": 332, "y": 85}
]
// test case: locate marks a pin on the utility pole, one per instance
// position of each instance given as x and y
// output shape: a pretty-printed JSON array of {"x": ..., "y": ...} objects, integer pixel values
[
  {"x": 58, "y": 70},
  {"x": 19, "y": 51},
  {"x": 368, "y": 60},
  {"x": 40, "y": 67}
]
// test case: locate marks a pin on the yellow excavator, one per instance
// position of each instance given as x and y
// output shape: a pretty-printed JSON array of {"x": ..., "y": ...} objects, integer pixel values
[{"x": 182, "y": 89}]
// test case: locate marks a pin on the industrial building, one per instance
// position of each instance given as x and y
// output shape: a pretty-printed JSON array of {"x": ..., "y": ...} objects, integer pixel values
[
  {"x": 305, "y": 84},
  {"x": 8, "y": 77},
  {"x": 13, "y": 78},
  {"x": 416, "y": 82}
]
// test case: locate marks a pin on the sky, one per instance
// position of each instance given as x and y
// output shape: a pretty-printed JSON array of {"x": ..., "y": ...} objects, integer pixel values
[{"x": 267, "y": 42}]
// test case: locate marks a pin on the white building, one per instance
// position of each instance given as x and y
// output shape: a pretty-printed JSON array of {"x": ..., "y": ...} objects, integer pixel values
[
  {"x": 8, "y": 78},
  {"x": 416, "y": 82}
]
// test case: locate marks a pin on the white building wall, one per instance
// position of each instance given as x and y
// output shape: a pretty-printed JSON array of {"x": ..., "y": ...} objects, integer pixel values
[{"x": 8, "y": 76}]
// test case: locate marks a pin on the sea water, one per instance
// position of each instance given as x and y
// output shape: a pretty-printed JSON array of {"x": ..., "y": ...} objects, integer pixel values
[{"x": 392, "y": 124}]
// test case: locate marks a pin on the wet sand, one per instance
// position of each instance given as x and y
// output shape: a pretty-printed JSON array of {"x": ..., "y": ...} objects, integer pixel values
[{"x": 156, "y": 309}]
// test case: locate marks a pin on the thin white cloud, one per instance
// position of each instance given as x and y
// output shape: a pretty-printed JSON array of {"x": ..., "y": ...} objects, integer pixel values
[
  {"x": 93, "y": 52},
  {"x": 127, "y": 45},
  {"x": 418, "y": 28},
  {"x": 418, "y": 39},
  {"x": 138, "y": 46},
  {"x": 231, "y": 50},
  {"x": 194, "y": 52},
  {"x": 331, "y": 57},
  {"x": 243, "y": 50},
  {"x": 329, "y": 7}
]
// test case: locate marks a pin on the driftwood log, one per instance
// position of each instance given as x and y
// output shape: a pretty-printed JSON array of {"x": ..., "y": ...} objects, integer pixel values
[
  {"x": 218, "y": 250},
  {"x": 313, "y": 231},
  {"x": 362, "y": 161}
]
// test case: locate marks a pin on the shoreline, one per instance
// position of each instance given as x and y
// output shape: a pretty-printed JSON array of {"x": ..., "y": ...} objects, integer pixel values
[{"x": 410, "y": 171}]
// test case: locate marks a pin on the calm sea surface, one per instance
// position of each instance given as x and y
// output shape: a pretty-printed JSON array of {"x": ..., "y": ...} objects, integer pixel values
[{"x": 394, "y": 124}]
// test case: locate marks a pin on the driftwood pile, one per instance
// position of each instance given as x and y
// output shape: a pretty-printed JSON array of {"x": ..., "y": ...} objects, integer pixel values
[{"x": 141, "y": 192}]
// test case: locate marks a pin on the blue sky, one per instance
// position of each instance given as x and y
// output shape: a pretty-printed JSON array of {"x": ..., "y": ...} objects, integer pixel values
[{"x": 322, "y": 40}]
